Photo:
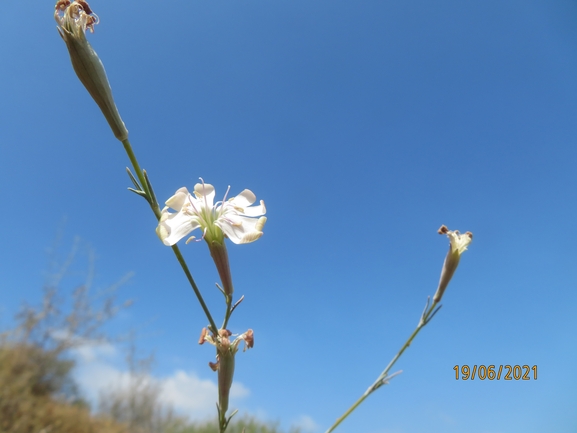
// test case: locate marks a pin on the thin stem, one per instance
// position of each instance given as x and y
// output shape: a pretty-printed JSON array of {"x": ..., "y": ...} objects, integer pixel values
[
  {"x": 222, "y": 423},
  {"x": 425, "y": 318},
  {"x": 155, "y": 208},
  {"x": 184, "y": 267},
  {"x": 228, "y": 311}
]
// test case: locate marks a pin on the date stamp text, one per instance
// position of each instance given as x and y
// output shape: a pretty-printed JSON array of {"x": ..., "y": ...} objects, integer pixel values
[{"x": 492, "y": 372}]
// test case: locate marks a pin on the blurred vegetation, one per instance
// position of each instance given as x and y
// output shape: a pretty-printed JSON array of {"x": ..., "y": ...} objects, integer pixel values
[
  {"x": 246, "y": 425},
  {"x": 37, "y": 390},
  {"x": 31, "y": 382},
  {"x": 137, "y": 404}
]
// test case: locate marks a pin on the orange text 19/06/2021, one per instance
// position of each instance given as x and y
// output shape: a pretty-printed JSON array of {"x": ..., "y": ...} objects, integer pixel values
[{"x": 492, "y": 372}]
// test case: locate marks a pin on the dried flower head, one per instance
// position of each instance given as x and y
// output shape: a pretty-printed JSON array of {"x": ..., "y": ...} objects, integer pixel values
[
  {"x": 74, "y": 18},
  {"x": 225, "y": 353}
]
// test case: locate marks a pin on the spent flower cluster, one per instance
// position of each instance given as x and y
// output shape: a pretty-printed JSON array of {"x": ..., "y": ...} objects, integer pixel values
[{"x": 225, "y": 353}]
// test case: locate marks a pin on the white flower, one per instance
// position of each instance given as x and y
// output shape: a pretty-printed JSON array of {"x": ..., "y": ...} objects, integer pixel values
[
  {"x": 458, "y": 245},
  {"x": 234, "y": 218},
  {"x": 459, "y": 242}
]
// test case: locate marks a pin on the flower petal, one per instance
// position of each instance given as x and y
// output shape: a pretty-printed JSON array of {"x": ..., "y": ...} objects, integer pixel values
[
  {"x": 244, "y": 199},
  {"x": 255, "y": 211},
  {"x": 243, "y": 230},
  {"x": 204, "y": 192},
  {"x": 179, "y": 198},
  {"x": 172, "y": 227},
  {"x": 459, "y": 242}
]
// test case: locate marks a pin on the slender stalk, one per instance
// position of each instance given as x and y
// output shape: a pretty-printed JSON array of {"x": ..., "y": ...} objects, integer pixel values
[
  {"x": 156, "y": 209},
  {"x": 383, "y": 377},
  {"x": 184, "y": 267},
  {"x": 228, "y": 311}
]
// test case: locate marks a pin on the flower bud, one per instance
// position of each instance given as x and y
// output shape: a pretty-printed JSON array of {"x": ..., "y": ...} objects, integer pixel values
[
  {"x": 72, "y": 24},
  {"x": 458, "y": 245}
]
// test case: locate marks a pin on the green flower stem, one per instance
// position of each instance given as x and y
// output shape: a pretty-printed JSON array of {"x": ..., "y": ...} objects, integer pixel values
[
  {"x": 228, "y": 311},
  {"x": 184, "y": 266},
  {"x": 156, "y": 209},
  {"x": 382, "y": 379}
]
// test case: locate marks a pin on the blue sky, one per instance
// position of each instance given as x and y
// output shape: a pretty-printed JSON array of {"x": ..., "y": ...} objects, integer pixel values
[{"x": 363, "y": 126}]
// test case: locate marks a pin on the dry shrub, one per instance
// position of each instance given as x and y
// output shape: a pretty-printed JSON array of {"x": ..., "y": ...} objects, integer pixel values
[
  {"x": 37, "y": 392},
  {"x": 29, "y": 401}
]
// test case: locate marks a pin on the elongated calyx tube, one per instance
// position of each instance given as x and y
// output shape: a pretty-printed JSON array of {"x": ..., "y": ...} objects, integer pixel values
[
  {"x": 73, "y": 19},
  {"x": 219, "y": 255},
  {"x": 458, "y": 245}
]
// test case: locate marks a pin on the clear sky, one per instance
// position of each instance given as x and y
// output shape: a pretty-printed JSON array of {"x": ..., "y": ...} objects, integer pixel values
[{"x": 364, "y": 126}]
